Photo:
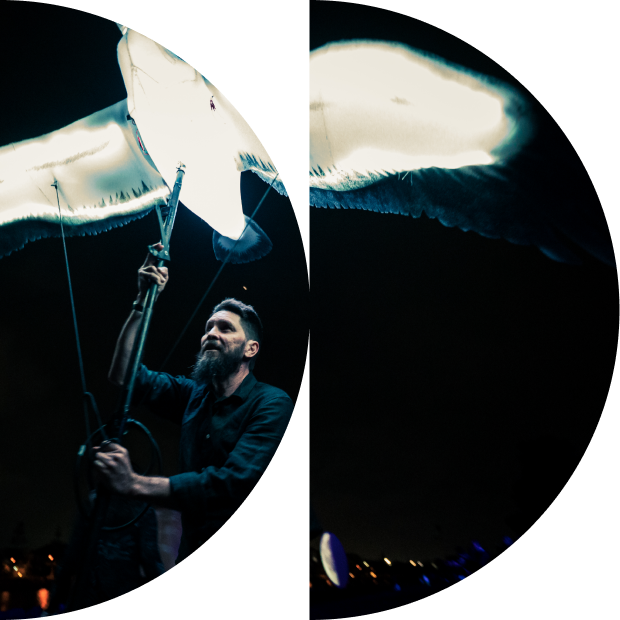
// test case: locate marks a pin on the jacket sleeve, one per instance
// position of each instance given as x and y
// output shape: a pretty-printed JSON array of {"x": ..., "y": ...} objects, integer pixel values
[
  {"x": 215, "y": 492},
  {"x": 163, "y": 394}
]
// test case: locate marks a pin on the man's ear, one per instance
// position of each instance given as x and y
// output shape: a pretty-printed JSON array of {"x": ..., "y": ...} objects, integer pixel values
[{"x": 254, "y": 342}]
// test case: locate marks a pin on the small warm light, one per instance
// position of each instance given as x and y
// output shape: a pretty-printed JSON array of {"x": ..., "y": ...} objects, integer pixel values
[
  {"x": 43, "y": 597},
  {"x": 13, "y": 560},
  {"x": 245, "y": 288},
  {"x": 358, "y": 567},
  {"x": 329, "y": 583},
  {"x": 365, "y": 564},
  {"x": 15, "y": 568},
  {"x": 373, "y": 575},
  {"x": 420, "y": 564},
  {"x": 310, "y": 584},
  {"x": 51, "y": 558},
  {"x": 412, "y": 563},
  {"x": 19, "y": 574},
  {"x": 387, "y": 561},
  {"x": 352, "y": 575}
]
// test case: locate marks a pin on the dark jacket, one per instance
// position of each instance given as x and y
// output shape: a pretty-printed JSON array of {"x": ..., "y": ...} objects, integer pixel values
[{"x": 226, "y": 445}]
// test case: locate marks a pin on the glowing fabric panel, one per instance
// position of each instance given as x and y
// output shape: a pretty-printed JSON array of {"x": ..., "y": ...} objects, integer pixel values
[
  {"x": 171, "y": 104},
  {"x": 106, "y": 176},
  {"x": 103, "y": 177},
  {"x": 393, "y": 130},
  {"x": 380, "y": 108}
]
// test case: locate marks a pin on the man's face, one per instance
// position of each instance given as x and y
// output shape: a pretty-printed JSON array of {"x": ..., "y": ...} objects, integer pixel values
[{"x": 221, "y": 348}]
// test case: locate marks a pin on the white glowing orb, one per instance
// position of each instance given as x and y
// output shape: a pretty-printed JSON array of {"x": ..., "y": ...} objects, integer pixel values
[{"x": 334, "y": 559}]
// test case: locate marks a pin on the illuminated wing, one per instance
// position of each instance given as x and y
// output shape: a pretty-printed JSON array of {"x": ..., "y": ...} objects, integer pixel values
[
  {"x": 171, "y": 104},
  {"x": 148, "y": 66},
  {"x": 396, "y": 131},
  {"x": 104, "y": 180},
  {"x": 106, "y": 177}
]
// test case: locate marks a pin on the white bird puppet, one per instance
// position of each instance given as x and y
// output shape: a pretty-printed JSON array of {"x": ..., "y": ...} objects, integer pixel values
[
  {"x": 400, "y": 131},
  {"x": 117, "y": 164}
]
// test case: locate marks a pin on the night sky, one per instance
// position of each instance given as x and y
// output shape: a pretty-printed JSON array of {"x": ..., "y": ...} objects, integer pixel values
[
  {"x": 456, "y": 380},
  {"x": 42, "y": 425}
]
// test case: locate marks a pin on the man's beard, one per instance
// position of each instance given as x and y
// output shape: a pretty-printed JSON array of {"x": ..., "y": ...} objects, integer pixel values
[{"x": 216, "y": 365}]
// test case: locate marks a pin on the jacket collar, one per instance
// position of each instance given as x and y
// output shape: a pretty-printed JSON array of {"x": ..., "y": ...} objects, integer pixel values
[{"x": 242, "y": 392}]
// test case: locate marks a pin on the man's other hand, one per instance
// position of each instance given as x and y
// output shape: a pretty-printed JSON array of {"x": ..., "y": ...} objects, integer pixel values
[
  {"x": 113, "y": 463},
  {"x": 149, "y": 274}
]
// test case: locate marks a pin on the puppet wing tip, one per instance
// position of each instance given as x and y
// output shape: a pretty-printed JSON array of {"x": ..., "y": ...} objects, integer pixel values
[{"x": 251, "y": 245}]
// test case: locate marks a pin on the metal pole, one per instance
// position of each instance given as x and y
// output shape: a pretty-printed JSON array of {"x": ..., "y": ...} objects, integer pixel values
[
  {"x": 147, "y": 313},
  {"x": 79, "y": 595}
]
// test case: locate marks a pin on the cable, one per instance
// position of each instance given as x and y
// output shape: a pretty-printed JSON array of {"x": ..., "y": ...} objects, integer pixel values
[
  {"x": 83, "y": 451},
  {"x": 87, "y": 396},
  {"x": 89, "y": 399},
  {"x": 174, "y": 346}
]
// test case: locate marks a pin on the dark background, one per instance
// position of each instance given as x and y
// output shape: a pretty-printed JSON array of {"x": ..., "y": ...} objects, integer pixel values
[
  {"x": 65, "y": 69},
  {"x": 456, "y": 380}
]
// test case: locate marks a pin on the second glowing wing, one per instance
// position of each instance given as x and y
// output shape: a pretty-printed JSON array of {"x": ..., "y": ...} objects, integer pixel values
[
  {"x": 395, "y": 130},
  {"x": 104, "y": 178}
]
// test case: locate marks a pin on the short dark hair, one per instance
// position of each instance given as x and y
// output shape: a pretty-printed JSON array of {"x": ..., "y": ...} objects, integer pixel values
[{"x": 250, "y": 321}]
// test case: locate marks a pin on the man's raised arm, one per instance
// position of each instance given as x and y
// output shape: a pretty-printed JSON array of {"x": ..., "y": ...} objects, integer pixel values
[{"x": 147, "y": 274}]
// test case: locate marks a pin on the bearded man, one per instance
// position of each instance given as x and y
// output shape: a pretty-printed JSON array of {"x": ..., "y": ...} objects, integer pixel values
[{"x": 231, "y": 424}]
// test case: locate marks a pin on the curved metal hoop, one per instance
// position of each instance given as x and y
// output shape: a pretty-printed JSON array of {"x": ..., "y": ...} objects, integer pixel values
[{"x": 82, "y": 452}]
